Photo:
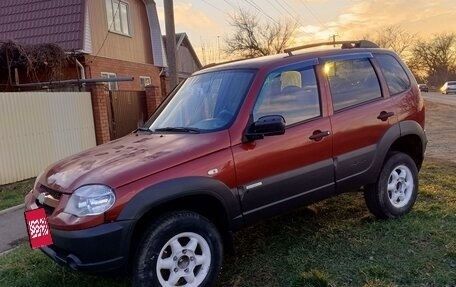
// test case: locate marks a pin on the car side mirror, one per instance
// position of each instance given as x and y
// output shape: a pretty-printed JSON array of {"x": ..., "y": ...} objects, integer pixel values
[{"x": 266, "y": 126}]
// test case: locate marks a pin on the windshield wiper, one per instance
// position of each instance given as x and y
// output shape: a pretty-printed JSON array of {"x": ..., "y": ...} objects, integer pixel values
[
  {"x": 143, "y": 129},
  {"x": 178, "y": 130}
]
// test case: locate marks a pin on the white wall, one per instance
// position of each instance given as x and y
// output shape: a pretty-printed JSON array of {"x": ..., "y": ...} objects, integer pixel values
[{"x": 39, "y": 128}]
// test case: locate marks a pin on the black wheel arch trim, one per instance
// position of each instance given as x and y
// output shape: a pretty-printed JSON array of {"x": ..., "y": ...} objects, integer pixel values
[
  {"x": 178, "y": 188},
  {"x": 382, "y": 147},
  {"x": 413, "y": 128},
  {"x": 394, "y": 133}
]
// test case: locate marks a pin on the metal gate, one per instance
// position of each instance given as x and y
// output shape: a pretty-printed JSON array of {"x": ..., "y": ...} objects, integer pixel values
[{"x": 128, "y": 111}]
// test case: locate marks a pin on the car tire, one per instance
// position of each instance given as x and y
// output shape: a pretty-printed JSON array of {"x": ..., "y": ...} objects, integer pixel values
[
  {"x": 180, "y": 249},
  {"x": 396, "y": 189}
]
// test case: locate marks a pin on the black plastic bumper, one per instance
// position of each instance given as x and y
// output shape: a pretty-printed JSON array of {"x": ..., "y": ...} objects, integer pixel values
[{"x": 98, "y": 249}]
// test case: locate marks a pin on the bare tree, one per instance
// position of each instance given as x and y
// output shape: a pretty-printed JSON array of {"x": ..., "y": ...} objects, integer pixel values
[
  {"x": 435, "y": 58},
  {"x": 252, "y": 38},
  {"x": 395, "y": 38}
]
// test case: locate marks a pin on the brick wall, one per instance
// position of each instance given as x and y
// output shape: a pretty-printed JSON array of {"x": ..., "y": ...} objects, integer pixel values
[
  {"x": 100, "y": 107},
  {"x": 96, "y": 65},
  {"x": 153, "y": 99}
]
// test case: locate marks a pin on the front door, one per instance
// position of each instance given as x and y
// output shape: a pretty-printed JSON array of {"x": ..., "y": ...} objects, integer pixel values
[{"x": 280, "y": 172}]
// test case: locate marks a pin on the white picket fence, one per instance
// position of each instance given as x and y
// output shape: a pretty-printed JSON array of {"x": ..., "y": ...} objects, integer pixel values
[{"x": 39, "y": 128}]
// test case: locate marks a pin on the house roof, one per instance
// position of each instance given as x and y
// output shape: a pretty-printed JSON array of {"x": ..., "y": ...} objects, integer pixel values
[
  {"x": 43, "y": 21},
  {"x": 182, "y": 40}
]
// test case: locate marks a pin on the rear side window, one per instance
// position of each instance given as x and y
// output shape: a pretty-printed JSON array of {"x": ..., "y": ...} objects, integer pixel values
[
  {"x": 352, "y": 82},
  {"x": 394, "y": 73}
]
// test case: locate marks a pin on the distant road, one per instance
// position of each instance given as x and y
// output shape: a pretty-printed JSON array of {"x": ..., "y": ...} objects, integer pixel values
[{"x": 439, "y": 98}]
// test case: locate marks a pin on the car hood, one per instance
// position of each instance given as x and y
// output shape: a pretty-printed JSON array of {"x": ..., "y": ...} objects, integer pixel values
[{"x": 130, "y": 158}]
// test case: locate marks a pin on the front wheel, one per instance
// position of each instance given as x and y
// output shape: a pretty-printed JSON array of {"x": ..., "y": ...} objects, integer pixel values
[
  {"x": 180, "y": 249},
  {"x": 396, "y": 189}
]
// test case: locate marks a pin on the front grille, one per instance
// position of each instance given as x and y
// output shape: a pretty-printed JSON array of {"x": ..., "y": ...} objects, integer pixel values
[
  {"x": 50, "y": 202},
  {"x": 47, "y": 209},
  {"x": 55, "y": 194}
]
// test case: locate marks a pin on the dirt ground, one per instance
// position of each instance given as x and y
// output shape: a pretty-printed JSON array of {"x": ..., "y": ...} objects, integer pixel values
[{"x": 441, "y": 131}]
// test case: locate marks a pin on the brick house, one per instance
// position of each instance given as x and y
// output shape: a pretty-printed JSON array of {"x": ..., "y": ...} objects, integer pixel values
[{"x": 108, "y": 38}]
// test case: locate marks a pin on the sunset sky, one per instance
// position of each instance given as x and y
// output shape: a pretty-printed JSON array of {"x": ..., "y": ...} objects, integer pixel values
[{"x": 206, "y": 21}]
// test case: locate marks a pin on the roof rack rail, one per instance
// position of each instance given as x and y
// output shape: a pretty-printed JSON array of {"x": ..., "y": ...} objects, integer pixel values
[
  {"x": 210, "y": 65},
  {"x": 345, "y": 45}
]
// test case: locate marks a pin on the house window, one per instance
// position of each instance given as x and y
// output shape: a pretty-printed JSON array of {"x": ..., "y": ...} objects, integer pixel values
[
  {"x": 118, "y": 13},
  {"x": 145, "y": 81},
  {"x": 112, "y": 86}
]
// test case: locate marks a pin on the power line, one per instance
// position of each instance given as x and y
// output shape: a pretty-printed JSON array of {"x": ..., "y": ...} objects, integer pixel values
[
  {"x": 109, "y": 29},
  {"x": 272, "y": 5},
  {"x": 259, "y": 9},
  {"x": 296, "y": 17},
  {"x": 313, "y": 14},
  {"x": 285, "y": 9},
  {"x": 213, "y": 6},
  {"x": 231, "y": 5}
]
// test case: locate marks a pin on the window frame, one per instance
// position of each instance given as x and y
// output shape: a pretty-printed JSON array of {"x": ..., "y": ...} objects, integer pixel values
[
  {"x": 109, "y": 84},
  {"x": 368, "y": 57},
  {"x": 300, "y": 66},
  {"x": 380, "y": 67},
  {"x": 142, "y": 85},
  {"x": 161, "y": 108},
  {"x": 117, "y": 10}
]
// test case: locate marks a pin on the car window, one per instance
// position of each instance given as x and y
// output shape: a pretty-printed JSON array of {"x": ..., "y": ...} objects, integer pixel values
[
  {"x": 352, "y": 82},
  {"x": 395, "y": 76},
  {"x": 207, "y": 101},
  {"x": 292, "y": 94}
]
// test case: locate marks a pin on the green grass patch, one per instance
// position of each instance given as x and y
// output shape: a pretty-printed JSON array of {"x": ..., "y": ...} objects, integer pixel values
[
  {"x": 14, "y": 193},
  {"x": 26, "y": 267},
  {"x": 332, "y": 243}
]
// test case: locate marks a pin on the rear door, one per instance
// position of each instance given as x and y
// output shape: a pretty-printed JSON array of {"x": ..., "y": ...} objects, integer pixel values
[
  {"x": 280, "y": 172},
  {"x": 362, "y": 114}
]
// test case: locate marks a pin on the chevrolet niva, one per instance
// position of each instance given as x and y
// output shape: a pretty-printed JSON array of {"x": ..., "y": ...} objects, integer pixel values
[{"x": 233, "y": 144}]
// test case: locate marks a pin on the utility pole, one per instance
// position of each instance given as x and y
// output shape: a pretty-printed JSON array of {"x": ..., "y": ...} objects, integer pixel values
[
  {"x": 333, "y": 36},
  {"x": 171, "y": 42},
  {"x": 218, "y": 47}
]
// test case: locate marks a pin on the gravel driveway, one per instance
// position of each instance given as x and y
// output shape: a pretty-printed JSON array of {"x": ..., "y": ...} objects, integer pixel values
[{"x": 441, "y": 131}]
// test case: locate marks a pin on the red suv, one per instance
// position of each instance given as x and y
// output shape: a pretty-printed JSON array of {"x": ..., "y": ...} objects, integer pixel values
[{"x": 234, "y": 144}]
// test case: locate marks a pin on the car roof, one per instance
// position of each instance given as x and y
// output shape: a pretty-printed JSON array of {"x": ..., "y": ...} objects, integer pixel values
[{"x": 275, "y": 61}]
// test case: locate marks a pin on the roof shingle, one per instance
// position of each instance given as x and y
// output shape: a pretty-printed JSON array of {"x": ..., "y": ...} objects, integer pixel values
[{"x": 43, "y": 21}]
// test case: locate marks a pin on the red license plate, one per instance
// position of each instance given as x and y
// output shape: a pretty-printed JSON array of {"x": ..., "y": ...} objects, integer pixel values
[{"x": 38, "y": 228}]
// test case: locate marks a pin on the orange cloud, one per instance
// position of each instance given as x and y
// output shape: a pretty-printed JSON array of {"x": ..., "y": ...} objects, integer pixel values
[
  {"x": 424, "y": 17},
  {"x": 187, "y": 18}
]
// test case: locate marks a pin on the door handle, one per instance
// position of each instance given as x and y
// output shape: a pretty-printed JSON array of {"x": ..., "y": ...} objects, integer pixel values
[
  {"x": 318, "y": 135},
  {"x": 385, "y": 115}
]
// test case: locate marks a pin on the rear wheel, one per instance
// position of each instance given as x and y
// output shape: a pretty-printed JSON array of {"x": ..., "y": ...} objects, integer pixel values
[
  {"x": 396, "y": 189},
  {"x": 180, "y": 249}
]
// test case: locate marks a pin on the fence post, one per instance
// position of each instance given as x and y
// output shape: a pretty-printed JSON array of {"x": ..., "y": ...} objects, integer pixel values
[
  {"x": 153, "y": 99},
  {"x": 100, "y": 112}
]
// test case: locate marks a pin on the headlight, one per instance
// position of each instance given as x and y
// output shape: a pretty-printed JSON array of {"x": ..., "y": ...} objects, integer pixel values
[{"x": 90, "y": 200}]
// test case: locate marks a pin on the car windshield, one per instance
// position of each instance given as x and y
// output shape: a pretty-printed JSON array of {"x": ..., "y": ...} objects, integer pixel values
[{"x": 205, "y": 102}]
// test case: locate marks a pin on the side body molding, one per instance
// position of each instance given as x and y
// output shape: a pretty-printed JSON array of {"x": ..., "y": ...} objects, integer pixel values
[
  {"x": 377, "y": 153},
  {"x": 383, "y": 146},
  {"x": 170, "y": 190},
  {"x": 373, "y": 156}
]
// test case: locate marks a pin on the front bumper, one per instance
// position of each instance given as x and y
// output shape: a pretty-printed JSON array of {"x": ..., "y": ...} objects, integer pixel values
[{"x": 97, "y": 249}]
